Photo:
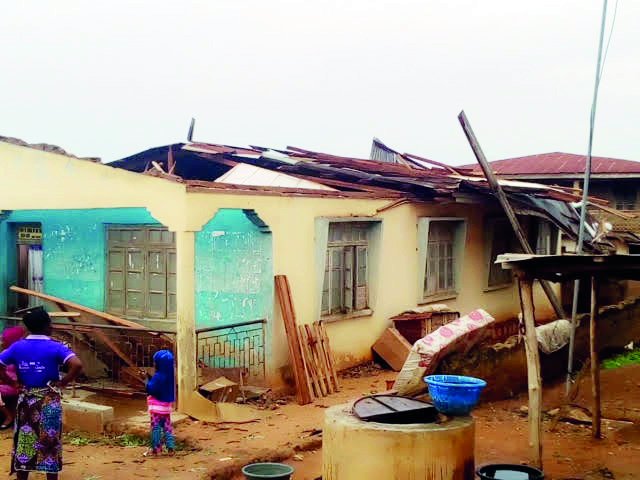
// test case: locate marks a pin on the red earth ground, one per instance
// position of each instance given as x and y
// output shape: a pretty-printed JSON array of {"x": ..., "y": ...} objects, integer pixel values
[{"x": 569, "y": 452}]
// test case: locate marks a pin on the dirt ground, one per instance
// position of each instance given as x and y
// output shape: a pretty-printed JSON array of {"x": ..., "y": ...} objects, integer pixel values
[{"x": 569, "y": 452}]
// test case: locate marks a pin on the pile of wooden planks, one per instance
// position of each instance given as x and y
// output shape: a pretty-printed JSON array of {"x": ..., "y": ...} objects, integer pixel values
[
  {"x": 319, "y": 359},
  {"x": 312, "y": 361}
]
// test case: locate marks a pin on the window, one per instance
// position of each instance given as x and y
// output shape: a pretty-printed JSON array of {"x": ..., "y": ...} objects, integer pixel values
[
  {"x": 346, "y": 283},
  {"x": 499, "y": 239},
  {"x": 141, "y": 272},
  {"x": 546, "y": 237},
  {"x": 625, "y": 197},
  {"x": 441, "y": 255},
  {"x": 439, "y": 277}
]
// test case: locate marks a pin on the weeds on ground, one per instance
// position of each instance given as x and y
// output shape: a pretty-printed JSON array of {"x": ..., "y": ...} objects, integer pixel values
[
  {"x": 126, "y": 440},
  {"x": 77, "y": 439},
  {"x": 627, "y": 358}
]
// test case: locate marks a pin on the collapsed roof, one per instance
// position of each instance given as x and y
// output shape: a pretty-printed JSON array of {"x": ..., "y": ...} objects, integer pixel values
[{"x": 296, "y": 171}]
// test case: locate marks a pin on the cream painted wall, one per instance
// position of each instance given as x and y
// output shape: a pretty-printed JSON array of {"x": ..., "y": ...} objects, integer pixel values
[
  {"x": 292, "y": 222},
  {"x": 56, "y": 182}
]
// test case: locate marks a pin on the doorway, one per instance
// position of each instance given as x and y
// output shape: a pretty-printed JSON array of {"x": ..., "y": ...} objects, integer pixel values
[{"x": 30, "y": 265}]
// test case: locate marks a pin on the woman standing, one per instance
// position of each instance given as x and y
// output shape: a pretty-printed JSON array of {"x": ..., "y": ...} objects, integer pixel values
[
  {"x": 8, "y": 391},
  {"x": 37, "y": 443}
]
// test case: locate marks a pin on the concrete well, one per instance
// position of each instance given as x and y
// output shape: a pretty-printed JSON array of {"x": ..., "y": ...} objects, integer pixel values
[{"x": 354, "y": 449}]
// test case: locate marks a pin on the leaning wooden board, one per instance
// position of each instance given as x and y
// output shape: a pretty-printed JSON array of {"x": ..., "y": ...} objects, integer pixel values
[
  {"x": 328, "y": 354},
  {"x": 312, "y": 370},
  {"x": 319, "y": 358},
  {"x": 300, "y": 372}
]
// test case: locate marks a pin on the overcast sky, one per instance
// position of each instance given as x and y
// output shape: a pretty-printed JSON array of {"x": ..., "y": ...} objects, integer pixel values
[{"x": 113, "y": 78}]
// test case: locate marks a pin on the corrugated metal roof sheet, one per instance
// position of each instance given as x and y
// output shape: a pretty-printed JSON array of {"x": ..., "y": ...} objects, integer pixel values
[
  {"x": 558, "y": 163},
  {"x": 246, "y": 174}
]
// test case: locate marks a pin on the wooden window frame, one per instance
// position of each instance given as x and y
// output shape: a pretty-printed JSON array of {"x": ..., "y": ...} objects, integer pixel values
[
  {"x": 353, "y": 276},
  {"x": 457, "y": 255},
  {"x": 491, "y": 225},
  {"x": 147, "y": 245}
]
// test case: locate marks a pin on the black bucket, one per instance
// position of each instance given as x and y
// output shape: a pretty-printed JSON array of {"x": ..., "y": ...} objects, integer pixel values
[
  {"x": 505, "y": 471},
  {"x": 272, "y": 471}
]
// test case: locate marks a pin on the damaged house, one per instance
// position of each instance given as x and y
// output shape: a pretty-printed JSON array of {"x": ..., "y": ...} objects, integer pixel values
[{"x": 187, "y": 238}]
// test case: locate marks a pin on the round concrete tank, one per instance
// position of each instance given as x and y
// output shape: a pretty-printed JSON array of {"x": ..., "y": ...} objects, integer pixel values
[{"x": 353, "y": 449}]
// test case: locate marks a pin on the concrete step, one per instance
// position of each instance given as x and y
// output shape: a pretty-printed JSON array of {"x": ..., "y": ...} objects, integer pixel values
[{"x": 85, "y": 416}]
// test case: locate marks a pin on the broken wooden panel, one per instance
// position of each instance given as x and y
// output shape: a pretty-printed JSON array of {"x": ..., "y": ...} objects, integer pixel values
[
  {"x": 414, "y": 326},
  {"x": 130, "y": 346},
  {"x": 393, "y": 348},
  {"x": 221, "y": 390}
]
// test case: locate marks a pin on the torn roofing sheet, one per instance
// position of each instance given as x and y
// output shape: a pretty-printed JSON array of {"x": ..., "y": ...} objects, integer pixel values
[
  {"x": 246, "y": 174},
  {"x": 299, "y": 171}
]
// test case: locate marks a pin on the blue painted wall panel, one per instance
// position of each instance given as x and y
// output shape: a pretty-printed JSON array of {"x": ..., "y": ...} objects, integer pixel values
[
  {"x": 73, "y": 248},
  {"x": 234, "y": 271}
]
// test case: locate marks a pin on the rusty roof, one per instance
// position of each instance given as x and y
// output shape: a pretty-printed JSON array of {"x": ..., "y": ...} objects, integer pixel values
[
  {"x": 294, "y": 171},
  {"x": 560, "y": 164}
]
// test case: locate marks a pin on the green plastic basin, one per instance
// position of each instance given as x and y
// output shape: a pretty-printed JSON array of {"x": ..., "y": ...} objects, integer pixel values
[{"x": 273, "y": 471}]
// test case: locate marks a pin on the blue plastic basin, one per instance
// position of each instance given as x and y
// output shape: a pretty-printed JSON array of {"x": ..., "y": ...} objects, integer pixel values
[{"x": 454, "y": 394}]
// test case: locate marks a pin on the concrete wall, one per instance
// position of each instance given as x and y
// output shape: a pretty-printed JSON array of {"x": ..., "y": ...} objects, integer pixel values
[
  {"x": 234, "y": 274},
  {"x": 296, "y": 246},
  {"x": 74, "y": 250},
  {"x": 394, "y": 284}
]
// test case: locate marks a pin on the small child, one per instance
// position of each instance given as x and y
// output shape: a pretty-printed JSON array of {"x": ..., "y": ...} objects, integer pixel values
[{"x": 161, "y": 390}]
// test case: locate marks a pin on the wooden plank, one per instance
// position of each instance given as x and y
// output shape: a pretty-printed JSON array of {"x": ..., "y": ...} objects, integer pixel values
[
  {"x": 104, "y": 339},
  {"x": 533, "y": 372},
  {"x": 64, "y": 314},
  {"x": 316, "y": 382},
  {"x": 393, "y": 348},
  {"x": 319, "y": 360},
  {"x": 77, "y": 307},
  {"x": 303, "y": 384},
  {"x": 595, "y": 362},
  {"x": 324, "y": 338},
  {"x": 322, "y": 356},
  {"x": 495, "y": 187}
]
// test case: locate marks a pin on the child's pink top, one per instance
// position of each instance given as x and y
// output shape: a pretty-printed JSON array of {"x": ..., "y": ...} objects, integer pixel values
[
  {"x": 160, "y": 408},
  {"x": 9, "y": 390}
]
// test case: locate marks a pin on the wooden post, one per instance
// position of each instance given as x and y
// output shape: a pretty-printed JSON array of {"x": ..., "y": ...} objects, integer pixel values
[
  {"x": 595, "y": 361},
  {"x": 533, "y": 370},
  {"x": 506, "y": 206},
  {"x": 185, "y": 322}
]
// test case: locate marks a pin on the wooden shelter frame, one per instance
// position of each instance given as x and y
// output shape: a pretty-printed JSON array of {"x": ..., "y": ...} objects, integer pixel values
[{"x": 559, "y": 268}]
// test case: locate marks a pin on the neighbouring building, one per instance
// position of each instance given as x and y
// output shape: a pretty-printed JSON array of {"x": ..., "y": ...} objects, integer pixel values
[
  {"x": 615, "y": 180},
  {"x": 612, "y": 179},
  {"x": 188, "y": 238}
]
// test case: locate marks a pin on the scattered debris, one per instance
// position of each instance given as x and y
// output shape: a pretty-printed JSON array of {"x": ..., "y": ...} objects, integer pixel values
[
  {"x": 253, "y": 393},
  {"x": 579, "y": 415},
  {"x": 221, "y": 390},
  {"x": 393, "y": 348},
  {"x": 369, "y": 369}
]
